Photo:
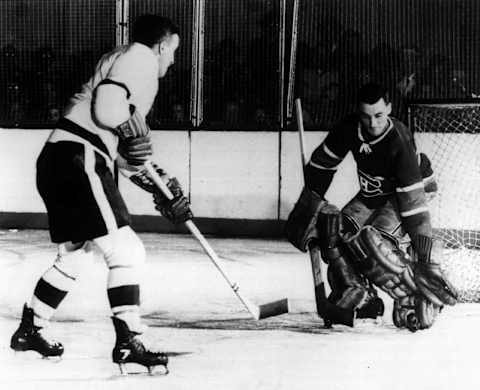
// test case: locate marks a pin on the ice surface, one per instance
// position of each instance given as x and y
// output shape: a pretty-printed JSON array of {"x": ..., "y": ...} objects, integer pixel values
[{"x": 193, "y": 314}]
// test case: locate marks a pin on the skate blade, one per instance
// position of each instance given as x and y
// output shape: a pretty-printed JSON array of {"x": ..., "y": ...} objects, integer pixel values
[
  {"x": 272, "y": 309},
  {"x": 31, "y": 354},
  {"x": 151, "y": 370}
]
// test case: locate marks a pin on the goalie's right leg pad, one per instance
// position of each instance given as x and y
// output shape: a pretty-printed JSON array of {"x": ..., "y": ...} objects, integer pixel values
[{"x": 349, "y": 291}]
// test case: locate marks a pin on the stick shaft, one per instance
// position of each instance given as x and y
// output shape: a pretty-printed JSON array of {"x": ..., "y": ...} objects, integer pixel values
[
  {"x": 252, "y": 308},
  {"x": 319, "y": 269},
  {"x": 299, "y": 112}
]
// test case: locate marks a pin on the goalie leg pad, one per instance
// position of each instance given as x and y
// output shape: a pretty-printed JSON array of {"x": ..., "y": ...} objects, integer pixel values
[
  {"x": 381, "y": 262},
  {"x": 348, "y": 289},
  {"x": 301, "y": 225},
  {"x": 414, "y": 312}
]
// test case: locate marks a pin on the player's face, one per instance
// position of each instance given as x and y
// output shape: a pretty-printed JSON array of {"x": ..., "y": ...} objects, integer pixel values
[
  {"x": 374, "y": 117},
  {"x": 166, "y": 54}
]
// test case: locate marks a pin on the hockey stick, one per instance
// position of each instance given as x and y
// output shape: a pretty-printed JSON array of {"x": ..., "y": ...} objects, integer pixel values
[
  {"x": 319, "y": 270},
  {"x": 257, "y": 311}
]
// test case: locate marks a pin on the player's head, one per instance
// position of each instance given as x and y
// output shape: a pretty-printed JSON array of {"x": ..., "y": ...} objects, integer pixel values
[
  {"x": 374, "y": 107},
  {"x": 160, "y": 34}
]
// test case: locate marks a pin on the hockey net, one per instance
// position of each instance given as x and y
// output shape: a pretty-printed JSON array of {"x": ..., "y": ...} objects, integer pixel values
[{"x": 449, "y": 133}]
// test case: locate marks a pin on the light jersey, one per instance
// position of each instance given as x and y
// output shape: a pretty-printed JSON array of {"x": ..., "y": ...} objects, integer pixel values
[
  {"x": 386, "y": 166},
  {"x": 136, "y": 67}
]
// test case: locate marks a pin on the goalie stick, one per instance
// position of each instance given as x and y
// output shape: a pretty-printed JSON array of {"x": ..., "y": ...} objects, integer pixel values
[
  {"x": 257, "y": 311},
  {"x": 319, "y": 270}
]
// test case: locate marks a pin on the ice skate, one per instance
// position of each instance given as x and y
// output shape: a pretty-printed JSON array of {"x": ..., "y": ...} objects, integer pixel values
[
  {"x": 28, "y": 338},
  {"x": 129, "y": 349},
  {"x": 374, "y": 308}
]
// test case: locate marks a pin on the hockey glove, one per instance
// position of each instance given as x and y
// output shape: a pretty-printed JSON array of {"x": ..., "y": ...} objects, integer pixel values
[
  {"x": 144, "y": 181},
  {"x": 427, "y": 273},
  {"x": 176, "y": 210},
  {"x": 135, "y": 150},
  {"x": 301, "y": 226}
]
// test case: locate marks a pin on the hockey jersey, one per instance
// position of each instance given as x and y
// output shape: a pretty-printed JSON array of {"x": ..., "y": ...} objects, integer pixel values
[{"x": 386, "y": 165}]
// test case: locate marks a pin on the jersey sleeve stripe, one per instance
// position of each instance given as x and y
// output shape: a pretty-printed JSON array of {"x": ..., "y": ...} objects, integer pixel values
[
  {"x": 410, "y": 188},
  {"x": 330, "y": 153},
  {"x": 418, "y": 210},
  {"x": 319, "y": 166}
]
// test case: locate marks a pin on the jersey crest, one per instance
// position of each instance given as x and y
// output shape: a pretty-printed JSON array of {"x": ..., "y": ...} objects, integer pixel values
[{"x": 373, "y": 185}]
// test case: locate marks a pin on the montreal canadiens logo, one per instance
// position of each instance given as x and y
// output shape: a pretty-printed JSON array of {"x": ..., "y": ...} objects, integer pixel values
[{"x": 370, "y": 185}]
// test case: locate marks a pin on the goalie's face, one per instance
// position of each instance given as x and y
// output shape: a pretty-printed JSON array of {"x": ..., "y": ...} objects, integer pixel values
[
  {"x": 374, "y": 117},
  {"x": 166, "y": 53}
]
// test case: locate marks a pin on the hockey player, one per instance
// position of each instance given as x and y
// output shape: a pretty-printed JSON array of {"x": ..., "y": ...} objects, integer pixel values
[
  {"x": 103, "y": 124},
  {"x": 365, "y": 244}
]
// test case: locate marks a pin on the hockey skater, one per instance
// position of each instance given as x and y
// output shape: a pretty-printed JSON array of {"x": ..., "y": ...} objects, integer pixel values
[
  {"x": 104, "y": 124},
  {"x": 383, "y": 237}
]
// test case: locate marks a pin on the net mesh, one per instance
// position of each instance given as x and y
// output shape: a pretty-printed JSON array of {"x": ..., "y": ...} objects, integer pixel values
[{"x": 450, "y": 136}]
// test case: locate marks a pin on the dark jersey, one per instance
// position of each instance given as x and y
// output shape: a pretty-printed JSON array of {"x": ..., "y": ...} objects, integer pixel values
[{"x": 387, "y": 166}]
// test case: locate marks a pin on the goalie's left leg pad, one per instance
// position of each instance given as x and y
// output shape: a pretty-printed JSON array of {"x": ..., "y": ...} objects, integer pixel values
[
  {"x": 381, "y": 262},
  {"x": 414, "y": 313}
]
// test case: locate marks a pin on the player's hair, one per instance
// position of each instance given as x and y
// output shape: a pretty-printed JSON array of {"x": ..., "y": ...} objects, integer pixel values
[
  {"x": 152, "y": 29},
  {"x": 371, "y": 93}
]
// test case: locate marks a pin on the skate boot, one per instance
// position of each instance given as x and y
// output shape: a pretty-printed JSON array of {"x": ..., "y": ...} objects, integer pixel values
[
  {"x": 128, "y": 349},
  {"x": 28, "y": 338},
  {"x": 372, "y": 309}
]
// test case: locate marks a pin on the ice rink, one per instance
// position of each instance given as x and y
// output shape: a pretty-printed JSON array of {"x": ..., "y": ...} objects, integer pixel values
[{"x": 212, "y": 342}]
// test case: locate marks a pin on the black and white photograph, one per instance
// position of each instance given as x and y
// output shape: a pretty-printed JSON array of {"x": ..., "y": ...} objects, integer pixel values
[{"x": 239, "y": 194}]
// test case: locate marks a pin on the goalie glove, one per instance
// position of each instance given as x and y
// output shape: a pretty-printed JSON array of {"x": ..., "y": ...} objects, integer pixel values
[
  {"x": 136, "y": 150},
  {"x": 301, "y": 226},
  {"x": 427, "y": 273}
]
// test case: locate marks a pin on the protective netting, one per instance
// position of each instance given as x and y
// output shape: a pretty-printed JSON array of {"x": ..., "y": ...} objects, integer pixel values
[{"x": 450, "y": 135}]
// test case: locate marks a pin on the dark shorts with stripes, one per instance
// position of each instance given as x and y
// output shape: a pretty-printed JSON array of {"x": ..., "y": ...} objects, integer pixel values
[{"x": 79, "y": 191}]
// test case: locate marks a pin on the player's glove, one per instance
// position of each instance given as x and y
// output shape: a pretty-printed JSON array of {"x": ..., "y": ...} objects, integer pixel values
[
  {"x": 176, "y": 210},
  {"x": 135, "y": 150},
  {"x": 143, "y": 180},
  {"x": 133, "y": 127}
]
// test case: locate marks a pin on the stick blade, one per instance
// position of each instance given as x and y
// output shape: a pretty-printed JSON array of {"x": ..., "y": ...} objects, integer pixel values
[{"x": 272, "y": 309}]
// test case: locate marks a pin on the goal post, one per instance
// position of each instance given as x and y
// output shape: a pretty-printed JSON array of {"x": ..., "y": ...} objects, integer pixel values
[{"x": 448, "y": 132}]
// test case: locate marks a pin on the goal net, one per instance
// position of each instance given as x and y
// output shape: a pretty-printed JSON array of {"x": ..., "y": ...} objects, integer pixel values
[{"x": 449, "y": 133}]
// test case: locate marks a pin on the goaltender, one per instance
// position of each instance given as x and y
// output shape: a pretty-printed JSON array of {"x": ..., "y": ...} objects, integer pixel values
[{"x": 383, "y": 236}]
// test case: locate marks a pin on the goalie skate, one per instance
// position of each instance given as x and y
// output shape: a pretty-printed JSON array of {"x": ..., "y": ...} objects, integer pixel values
[
  {"x": 129, "y": 349},
  {"x": 28, "y": 338}
]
